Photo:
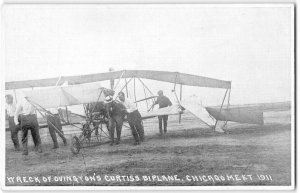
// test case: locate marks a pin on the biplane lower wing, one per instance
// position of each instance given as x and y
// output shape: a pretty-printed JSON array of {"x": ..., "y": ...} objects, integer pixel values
[
  {"x": 171, "y": 110},
  {"x": 198, "y": 110},
  {"x": 249, "y": 113},
  {"x": 239, "y": 115},
  {"x": 265, "y": 107}
]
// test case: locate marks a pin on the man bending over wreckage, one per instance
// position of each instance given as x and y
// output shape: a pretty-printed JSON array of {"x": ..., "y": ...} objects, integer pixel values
[
  {"x": 134, "y": 118},
  {"x": 54, "y": 125},
  {"x": 25, "y": 116}
]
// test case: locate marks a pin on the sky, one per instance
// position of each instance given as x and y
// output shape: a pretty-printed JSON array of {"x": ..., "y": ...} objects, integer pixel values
[{"x": 248, "y": 45}]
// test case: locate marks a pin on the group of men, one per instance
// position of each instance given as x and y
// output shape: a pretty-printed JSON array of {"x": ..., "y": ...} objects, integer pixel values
[
  {"x": 23, "y": 117},
  {"x": 134, "y": 117}
]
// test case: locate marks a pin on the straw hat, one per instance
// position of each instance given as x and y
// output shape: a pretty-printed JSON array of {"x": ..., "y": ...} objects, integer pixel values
[{"x": 108, "y": 99}]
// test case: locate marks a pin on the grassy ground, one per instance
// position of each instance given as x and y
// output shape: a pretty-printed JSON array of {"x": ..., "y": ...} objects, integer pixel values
[{"x": 189, "y": 150}]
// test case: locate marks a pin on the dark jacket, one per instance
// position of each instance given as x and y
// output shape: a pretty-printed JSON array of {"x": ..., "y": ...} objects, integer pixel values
[{"x": 163, "y": 101}]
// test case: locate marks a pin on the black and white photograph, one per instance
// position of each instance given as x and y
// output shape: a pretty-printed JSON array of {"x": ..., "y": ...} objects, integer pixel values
[{"x": 148, "y": 97}]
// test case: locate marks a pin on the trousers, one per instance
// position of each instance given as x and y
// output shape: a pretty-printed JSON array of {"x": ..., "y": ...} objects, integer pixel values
[
  {"x": 163, "y": 120},
  {"x": 14, "y": 132},
  {"x": 115, "y": 123},
  {"x": 29, "y": 122},
  {"x": 135, "y": 122},
  {"x": 55, "y": 121}
]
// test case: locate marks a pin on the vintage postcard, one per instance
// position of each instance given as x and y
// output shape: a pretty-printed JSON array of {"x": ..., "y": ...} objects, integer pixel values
[{"x": 148, "y": 96}]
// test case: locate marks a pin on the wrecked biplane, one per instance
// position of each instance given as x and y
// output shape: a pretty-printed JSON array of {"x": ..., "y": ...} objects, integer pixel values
[{"x": 85, "y": 90}]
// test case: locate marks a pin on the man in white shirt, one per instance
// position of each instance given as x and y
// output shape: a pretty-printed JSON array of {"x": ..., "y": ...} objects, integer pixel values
[
  {"x": 26, "y": 116},
  {"x": 10, "y": 109},
  {"x": 134, "y": 118},
  {"x": 54, "y": 124}
]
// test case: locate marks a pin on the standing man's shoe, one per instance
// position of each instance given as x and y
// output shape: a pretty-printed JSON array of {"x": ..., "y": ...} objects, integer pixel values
[
  {"x": 39, "y": 149},
  {"x": 17, "y": 148},
  {"x": 65, "y": 142},
  {"x": 55, "y": 147},
  {"x": 137, "y": 143}
]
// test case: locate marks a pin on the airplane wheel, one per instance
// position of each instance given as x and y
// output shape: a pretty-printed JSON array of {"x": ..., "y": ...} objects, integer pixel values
[{"x": 75, "y": 147}]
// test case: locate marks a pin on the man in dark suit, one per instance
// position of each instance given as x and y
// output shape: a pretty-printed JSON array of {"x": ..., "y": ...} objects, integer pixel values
[
  {"x": 54, "y": 125},
  {"x": 162, "y": 102}
]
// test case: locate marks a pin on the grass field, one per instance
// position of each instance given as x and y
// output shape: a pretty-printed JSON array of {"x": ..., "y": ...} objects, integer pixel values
[{"x": 246, "y": 155}]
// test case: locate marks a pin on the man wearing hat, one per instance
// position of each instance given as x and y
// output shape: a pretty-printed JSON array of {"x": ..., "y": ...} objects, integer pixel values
[
  {"x": 116, "y": 113},
  {"x": 162, "y": 102},
  {"x": 25, "y": 115},
  {"x": 134, "y": 118},
  {"x": 10, "y": 109}
]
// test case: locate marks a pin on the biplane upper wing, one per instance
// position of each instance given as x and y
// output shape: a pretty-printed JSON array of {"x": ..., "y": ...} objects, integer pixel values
[
  {"x": 172, "y": 77},
  {"x": 72, "y": 95}
]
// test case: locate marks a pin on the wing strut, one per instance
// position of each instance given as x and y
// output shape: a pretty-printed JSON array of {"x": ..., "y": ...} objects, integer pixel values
[
  {"x": 222, "y": 107},
  {"x": 145, "y": 86},
  {"x": 134, "y": 91},
  {"x": 180, "y": 97},
  {"x": 119, "y": 80},
  {"x": 125, "y": 86},
  {"x": 174, "y": 90}
]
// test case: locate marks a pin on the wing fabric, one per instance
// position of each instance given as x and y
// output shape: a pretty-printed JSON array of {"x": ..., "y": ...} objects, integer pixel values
[{"x": 171, "y": 77}]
